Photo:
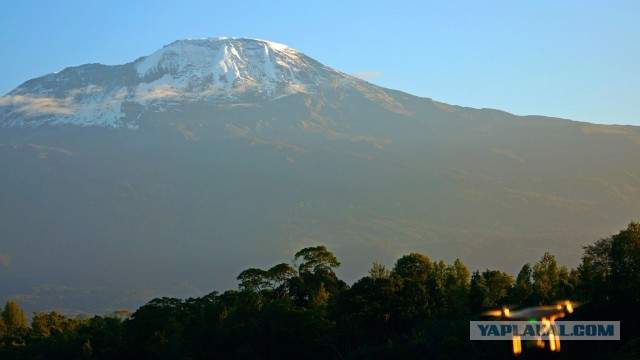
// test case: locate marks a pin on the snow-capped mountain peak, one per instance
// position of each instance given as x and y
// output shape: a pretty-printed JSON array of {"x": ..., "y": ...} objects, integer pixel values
[
  {"x": 219, "y": 52},
  {"x": 222, "y": 61},
  {"x": 213, "y": 70}
]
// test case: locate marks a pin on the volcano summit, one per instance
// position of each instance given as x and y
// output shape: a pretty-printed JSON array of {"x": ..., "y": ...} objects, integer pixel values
[{"x": 216, "y": 71}]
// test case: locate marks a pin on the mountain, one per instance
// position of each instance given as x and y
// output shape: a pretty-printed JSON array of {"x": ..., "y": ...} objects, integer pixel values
[
  {"x": 169, "y": 175},
  {"x": 220, "y": 70}
]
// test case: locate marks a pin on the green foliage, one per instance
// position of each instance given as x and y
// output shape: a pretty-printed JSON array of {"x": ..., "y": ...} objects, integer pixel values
[
  {"x": 319, "y": 298},
  {"x": 490, "y": 289},
  {"x": 316, "y": 259},
  {"x": 523, "y": 288},
  {"x": 45, "y": 325},
  {"x": 13, "y": 318},
  {"x": 378, "y": 271},
  {"x": 625, "y": 263},
  {"x": 274, "y": 282},
  {"x": 609, "y": 275},
  {"x": 595, "y": 270},
  {"x": 419, "y": 309},
  {"x": 413, "y": 267},
  {"x": 546, "y": 279},
  {"x": 457, "y": 288},
  {"x": 414, "y": 274},
  {"x": 566, "y": 283},
  {"x": 317, "y": 282},
  {"x": 253, "y": 279},
  {"x": 280, "y": 274}
]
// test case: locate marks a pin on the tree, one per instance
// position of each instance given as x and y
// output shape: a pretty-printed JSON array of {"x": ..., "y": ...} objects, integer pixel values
[
  {"x": 565, "y": 284},
  {"x": 279, "y": 277},
  {"x": 319, "y": 298},
  {"x": 372, "y": 308},
  {"x": 610, "y": 277},
  {"x": 14, "y": 318},
  {"x": 413, "y": 267},
  {"x": 625, "y": 263},
  {"x": 412, "y": 272},
  {"x": 436, "y": 284},
  {"x": 44, "y": 325},
  {"x": 523, "y": 288},
  {"x": 316, "y": 259},
  {"x": 490, "y": 289},
  {"x": 378, "y": 271},
  {"x": 498, "y": 284},
  {"x": 275, "y": 279},
  {"x": 546, "y": 279},
  {"x": 597, "y": 258},
  {"x": 253, "y": 279},
  {"x": 610, "y": 268},
  {"x": 316, "y": 276},
  {"x": 457, "y": 287},
  {"x": 594, "y": 271}
]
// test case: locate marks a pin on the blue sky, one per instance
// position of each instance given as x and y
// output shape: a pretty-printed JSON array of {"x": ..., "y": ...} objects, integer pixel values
[{"x": 571, "y": 59}]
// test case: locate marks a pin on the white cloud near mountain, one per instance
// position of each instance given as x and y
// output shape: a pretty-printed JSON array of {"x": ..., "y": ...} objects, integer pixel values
[
  {"x": 367, "y": 74},
  {"x": 30, "y": 105},
  {"x": 35, "y": 106},
  {"x": 158, "y": 92}
]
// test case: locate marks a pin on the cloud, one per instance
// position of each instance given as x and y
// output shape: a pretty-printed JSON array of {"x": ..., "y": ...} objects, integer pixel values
[
  {"x": 376, "y": 142},
  {"x": 83, "y": 100},
  {"x": 5, "y": 259},
  {"x": 158, "y": 92},
  {"x": 35, "y": 106},
  {"x": 91, "y": 89},
  {"x": 367, "y": 74},
  {"x": 31, "y": 106}
]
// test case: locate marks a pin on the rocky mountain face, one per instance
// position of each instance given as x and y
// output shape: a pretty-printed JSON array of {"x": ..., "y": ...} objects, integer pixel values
[{"x": 170, "y": 175}]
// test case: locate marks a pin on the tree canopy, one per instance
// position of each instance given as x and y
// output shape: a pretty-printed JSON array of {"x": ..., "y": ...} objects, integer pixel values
[{"x": 418, "y": 309}]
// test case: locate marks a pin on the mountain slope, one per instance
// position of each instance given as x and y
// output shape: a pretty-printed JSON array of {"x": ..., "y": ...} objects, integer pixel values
[{"x": 171, "y": 174}]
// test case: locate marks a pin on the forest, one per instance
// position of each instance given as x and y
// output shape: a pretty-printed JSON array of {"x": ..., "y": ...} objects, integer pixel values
[{"x": 419, "y": 308}]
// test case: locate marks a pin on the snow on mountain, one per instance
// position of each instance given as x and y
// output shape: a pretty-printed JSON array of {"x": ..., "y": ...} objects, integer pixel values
[
  {"x": 225, "y": 67},
  {"x": 212, "y": 70}
]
